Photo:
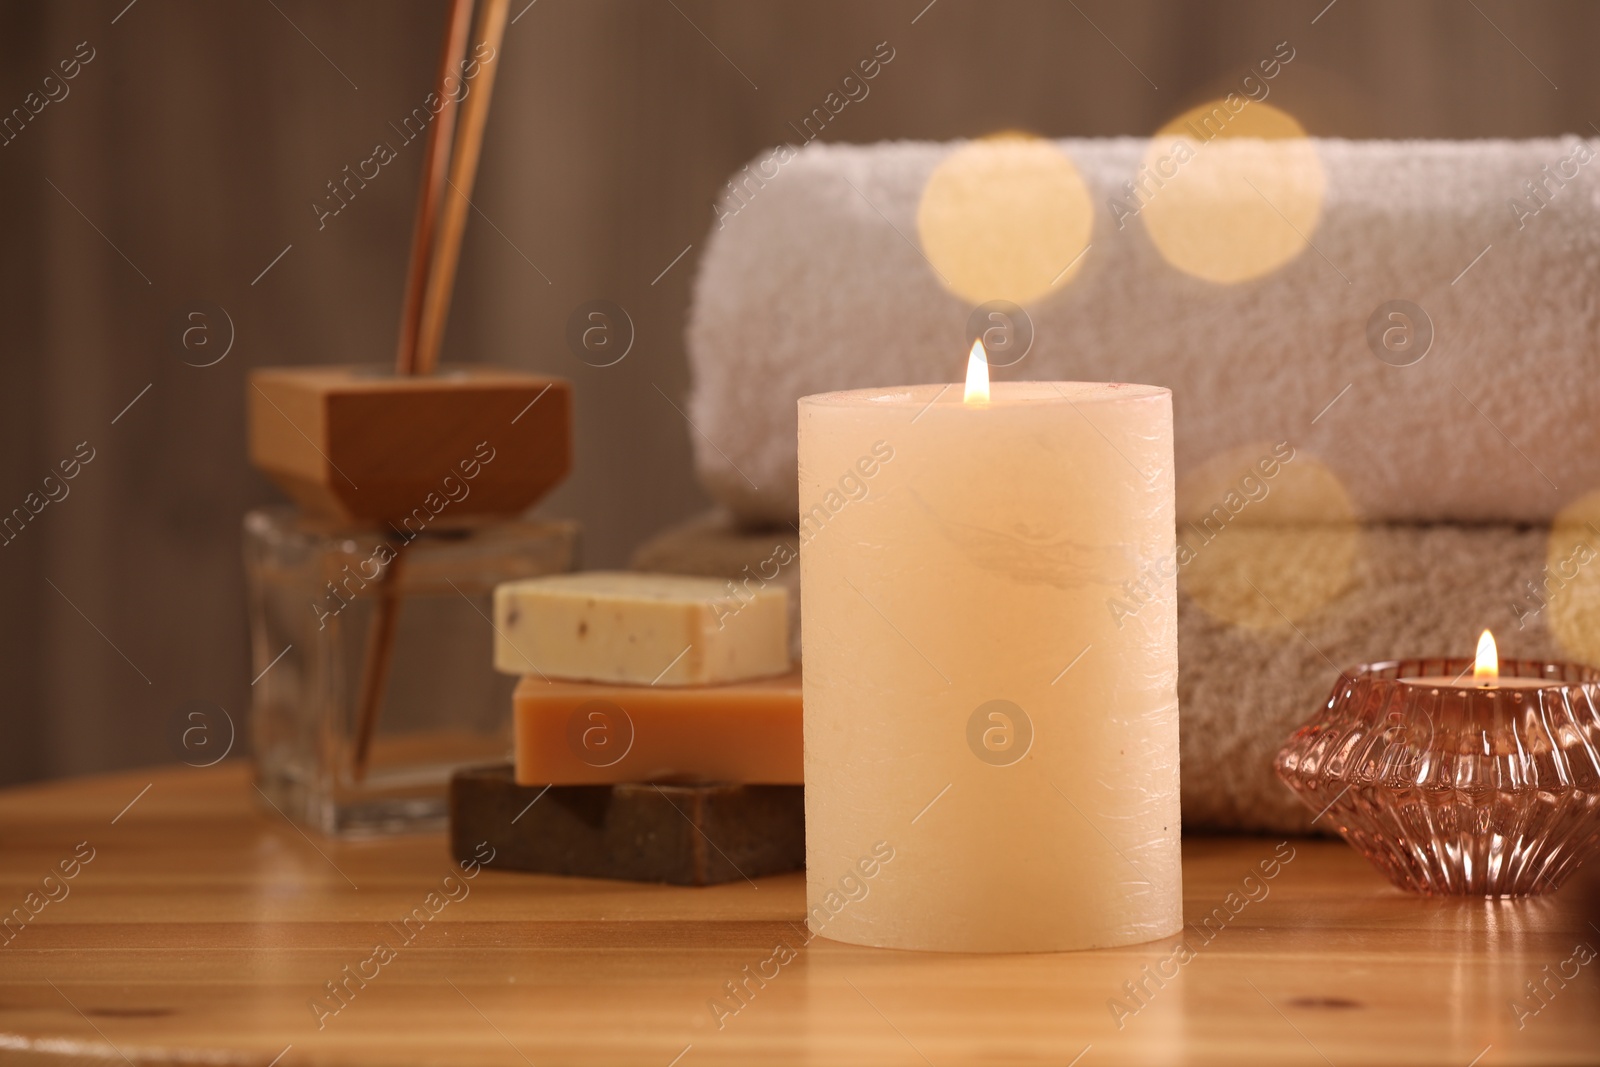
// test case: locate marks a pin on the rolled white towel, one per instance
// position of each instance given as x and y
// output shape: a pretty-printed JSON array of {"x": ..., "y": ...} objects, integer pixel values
[{"x": 813, "y": 280}]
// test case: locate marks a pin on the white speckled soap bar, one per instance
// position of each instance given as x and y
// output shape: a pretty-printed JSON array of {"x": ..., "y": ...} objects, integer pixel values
[{"x": 642, "y": 629}]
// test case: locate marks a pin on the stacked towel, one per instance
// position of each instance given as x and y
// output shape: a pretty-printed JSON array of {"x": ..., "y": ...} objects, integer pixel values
[
  {"x": 815, "y": 281},
  {"x": 1246, "y": 680},
  {"x": 825, "y": 273}
]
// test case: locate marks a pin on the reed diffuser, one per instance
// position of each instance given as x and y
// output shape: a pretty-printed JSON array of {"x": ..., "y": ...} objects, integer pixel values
[{"x": 369, "y": 599}]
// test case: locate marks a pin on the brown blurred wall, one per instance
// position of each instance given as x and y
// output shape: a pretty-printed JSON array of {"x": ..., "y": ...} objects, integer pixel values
[{"x": 189, "y": 149}]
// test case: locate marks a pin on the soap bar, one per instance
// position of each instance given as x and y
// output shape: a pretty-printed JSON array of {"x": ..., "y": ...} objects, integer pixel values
[
  {"x": 680, "y": 834},
  {"x": 579, "y": 733},
  {"x": 645, "y": 629}
]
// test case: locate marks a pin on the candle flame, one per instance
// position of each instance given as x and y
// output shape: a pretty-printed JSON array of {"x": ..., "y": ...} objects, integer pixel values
[
  {"x": 977, "y": 375},
  {"x": 1486, "y": 668}
]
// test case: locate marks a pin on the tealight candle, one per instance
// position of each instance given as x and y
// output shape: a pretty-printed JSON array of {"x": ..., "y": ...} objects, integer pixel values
[
  {"x": 1485, "y": 673},
  {"x": 991, "y": 752},
  {"x": 1483, "y": 787}
]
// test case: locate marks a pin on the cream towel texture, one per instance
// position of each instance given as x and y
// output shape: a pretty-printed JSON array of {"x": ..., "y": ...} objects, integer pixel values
[
  {"x": 1247, "y": 677},
  {"x": 815, "y": 281}
]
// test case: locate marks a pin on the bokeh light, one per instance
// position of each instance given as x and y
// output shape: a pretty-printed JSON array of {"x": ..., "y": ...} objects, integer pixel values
[
  {"x": 1567, "y": 593},
  {"x": 1267, "y": 534},
  {"x": 1229, "y": 190},
  {"x": 1005, "y": 218}
]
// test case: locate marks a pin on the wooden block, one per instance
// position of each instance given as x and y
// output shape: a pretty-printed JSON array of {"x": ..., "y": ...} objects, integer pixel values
[
  {"x": 643, "y": 629},
  {"x": 679, "y": 834},
  {"x": 362, "y": 444},
  {"x": 584, "y": 733}
]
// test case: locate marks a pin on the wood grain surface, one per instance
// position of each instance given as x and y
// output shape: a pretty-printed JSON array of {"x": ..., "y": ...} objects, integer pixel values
[{"x": 202, "y": 927}]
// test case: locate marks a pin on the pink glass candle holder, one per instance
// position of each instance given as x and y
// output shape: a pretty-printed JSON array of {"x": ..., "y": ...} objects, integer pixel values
[{"x": 1453, "y": 788}]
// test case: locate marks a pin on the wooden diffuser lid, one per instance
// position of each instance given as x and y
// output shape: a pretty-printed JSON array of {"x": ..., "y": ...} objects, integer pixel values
[{"x": 360, "y": 443}]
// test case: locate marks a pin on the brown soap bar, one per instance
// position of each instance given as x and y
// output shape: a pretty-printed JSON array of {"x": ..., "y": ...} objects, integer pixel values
[{"x": 640, "y": 832}]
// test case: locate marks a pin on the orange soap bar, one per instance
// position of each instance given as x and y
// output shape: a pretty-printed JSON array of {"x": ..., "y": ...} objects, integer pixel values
[{"x": 586, "y": 733}]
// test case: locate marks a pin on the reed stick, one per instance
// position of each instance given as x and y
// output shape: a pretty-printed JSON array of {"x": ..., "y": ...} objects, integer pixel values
[
  {"x": 436, "y": 168},
  {"x": 458, "y": 184}
]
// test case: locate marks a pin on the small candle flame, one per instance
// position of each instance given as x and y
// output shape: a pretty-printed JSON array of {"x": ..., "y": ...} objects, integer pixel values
[
  {"x": 1486, "y": 668},
  {"x": 977, "y": 375}
]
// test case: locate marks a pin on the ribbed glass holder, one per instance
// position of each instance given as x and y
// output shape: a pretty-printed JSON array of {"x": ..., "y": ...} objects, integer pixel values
[{"x": 1491, "y": 792}]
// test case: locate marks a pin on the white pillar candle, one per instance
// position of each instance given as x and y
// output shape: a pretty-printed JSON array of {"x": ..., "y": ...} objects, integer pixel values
[{"x": 988, "y": 593}]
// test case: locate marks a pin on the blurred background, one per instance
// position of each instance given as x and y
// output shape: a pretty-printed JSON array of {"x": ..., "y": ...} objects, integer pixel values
[{"x": 180, "y": 169}]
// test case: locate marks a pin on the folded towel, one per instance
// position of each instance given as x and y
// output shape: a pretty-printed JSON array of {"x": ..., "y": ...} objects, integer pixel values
[
  {"x": 815, "y": 279},
  {"x": 1247, "y": 677}
]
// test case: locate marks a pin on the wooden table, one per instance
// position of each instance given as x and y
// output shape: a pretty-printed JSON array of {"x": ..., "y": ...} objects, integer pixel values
[{"x": 205, "y": 925}]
